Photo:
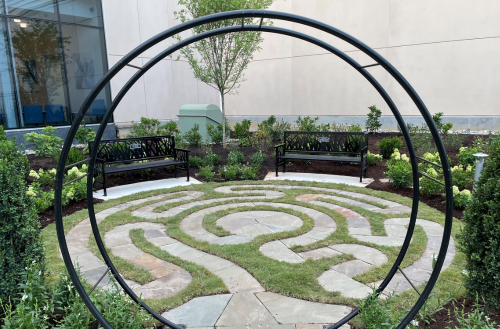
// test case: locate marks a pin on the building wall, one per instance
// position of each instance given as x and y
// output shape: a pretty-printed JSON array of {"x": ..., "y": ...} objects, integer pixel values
[{"x": 449, "y": 51}]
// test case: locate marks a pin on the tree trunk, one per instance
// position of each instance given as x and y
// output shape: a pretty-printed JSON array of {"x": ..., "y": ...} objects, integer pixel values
[{"x": 223, "y": 122}]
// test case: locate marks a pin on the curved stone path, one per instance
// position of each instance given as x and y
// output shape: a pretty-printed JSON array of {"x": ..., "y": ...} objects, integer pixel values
[{"x": 248, "y": 303}]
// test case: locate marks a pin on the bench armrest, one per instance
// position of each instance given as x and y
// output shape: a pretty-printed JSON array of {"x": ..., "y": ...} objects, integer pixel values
[
  {"x": 279, "y": 150},
  {"x": 181, "y": 154}
]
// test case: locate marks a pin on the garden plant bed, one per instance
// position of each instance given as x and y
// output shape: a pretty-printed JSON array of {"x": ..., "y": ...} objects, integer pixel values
[{"x": 316, "y": 167}]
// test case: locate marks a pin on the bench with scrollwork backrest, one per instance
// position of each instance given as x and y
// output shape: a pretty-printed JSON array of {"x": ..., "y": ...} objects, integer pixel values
[
  {"x": 135, "y": 153},
  {"x": 349, "y": 147}
]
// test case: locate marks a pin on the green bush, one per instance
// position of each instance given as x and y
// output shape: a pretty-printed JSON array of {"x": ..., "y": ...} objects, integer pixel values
[
  {"x": 195, "y": 162},
  {"x": 461, "y": 176},
  {"x": 373, "y": 123},
  {"x": 242, "y": 130},
  {"x": 377, "y": 314},
  {"x": 215, "y": 132},
  {"x": 372, "y": 159},
  {"x": 250, "y": 172},
  {"x": 207, "y": 172},
  {"x": 3, "y": 135},
  {"x": 273, "y": 128},
  {"x": 74, "y": 156},
  {"x": 45, "y": 178},
  {"x": 355, "y": 128},
  {"x": 461, "y": 199},
  {"x": 466, "y": 156},
  {"x": 399, "y": 170},
  {"x": 20, "y": 242},
  {"x": 428, "y": 186},
  {"x": 211, "y": 159},
  {"x": 230, "y": 172},
  {"x": 235, "y": 157},
  {"x": 46, "y": 144},
  {"x": 258, "y": 158},
  {"x": 479, "y": 239},
  {"x": 193, "y": 136},
  {"x": 388, "y": 144},
  {"x": 84, "y": 136},
  {"x": 153, "y": 127},
  {"x": 244, "y": 142}
]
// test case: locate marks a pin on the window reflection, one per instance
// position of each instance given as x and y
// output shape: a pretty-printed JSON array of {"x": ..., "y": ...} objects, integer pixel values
[
  {"x": 40, "y": 70},
  {"x": 85, "y": 12},
  {"x": 43, "y": 9},
  {"x": 8, "y": 104}
]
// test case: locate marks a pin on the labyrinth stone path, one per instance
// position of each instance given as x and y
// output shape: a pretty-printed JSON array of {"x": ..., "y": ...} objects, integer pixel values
[{"x": 248, "y": 303}]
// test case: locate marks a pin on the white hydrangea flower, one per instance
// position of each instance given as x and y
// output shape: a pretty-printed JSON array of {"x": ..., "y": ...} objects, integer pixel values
[
  {"x": 469, "y": 168},
  {"x": 456, "y": 191},
  {"x": 464, "y": 272},
  {"x": 53, "y": 171},
  {"x": 34, "y": 174},
  {"x": 466, "y": 194},
  {"x": 404, "y": 157}
]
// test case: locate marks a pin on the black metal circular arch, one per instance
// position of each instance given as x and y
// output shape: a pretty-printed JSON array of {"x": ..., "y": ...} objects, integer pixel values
[{"x": 263, "y": 15}]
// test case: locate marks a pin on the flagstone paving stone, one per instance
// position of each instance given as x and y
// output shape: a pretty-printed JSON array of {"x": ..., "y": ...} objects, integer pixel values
[{"x": 245, "y": 309}]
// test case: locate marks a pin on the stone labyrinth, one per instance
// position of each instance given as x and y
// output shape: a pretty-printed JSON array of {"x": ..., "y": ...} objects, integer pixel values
[{"x": 247, "y": 302}]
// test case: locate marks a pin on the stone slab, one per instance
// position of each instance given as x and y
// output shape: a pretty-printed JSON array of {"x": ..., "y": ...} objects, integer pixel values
[
  {"x": 160, "y": 242},
  {"x": 352, "y": 268},
  {"x": 148, "y": 261},
  {"x": 320, "y": 253},
  {"x": 298, "y": 241},
  {"x": 252, "y": 231},
  {"x": 281, "y": 219},
  {"x": 166, "y": 286},
  {"x": 278, "y": 251},
  {"x": 292, "y": 310},
  {"x": 127, "y": 251},
  {"x": 237, "y": 279},
  {"x": 245, "y": 309},
  {"x": 213, "y": 263},
  {"x": 332, "y": 280},
  {"x": 199, "y": 312},
  {"x": 364, "y": 253}
]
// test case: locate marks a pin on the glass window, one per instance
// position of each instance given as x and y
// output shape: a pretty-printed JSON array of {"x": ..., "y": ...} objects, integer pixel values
[
  {"x": 40, "y": 71},
  {"x": 43, "y": 9},
  {"x": 86, "y": 64},
  {"x": 8, "y": 103},
  {"x": 85, "y": 12}
]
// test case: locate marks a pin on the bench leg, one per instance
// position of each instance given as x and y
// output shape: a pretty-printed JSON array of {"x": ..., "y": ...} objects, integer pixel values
[
  {"x": 175, "y": 171},
  {"x": 284, "y": 166},
  {"x": 188, "y": 171},
  {"x": 104, "y": 183},
  {"x": 276, "y": 166}
]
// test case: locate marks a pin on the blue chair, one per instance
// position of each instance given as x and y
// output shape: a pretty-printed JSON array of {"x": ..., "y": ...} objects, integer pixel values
[
  {"x": 54, "y": 113},
  {"x": 98, "y": 108},
  {"x": 33, "y": 114}
]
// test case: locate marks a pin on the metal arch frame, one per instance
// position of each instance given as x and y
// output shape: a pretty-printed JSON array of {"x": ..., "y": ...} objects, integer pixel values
[{"x": 263, "y": 14}]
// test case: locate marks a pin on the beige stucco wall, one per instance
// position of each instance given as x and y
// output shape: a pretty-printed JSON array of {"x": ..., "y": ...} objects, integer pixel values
[{"x": 449, "y": 50}]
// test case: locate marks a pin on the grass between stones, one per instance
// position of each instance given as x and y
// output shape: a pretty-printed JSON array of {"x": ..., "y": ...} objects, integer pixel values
[
  {"x": 294, "y": 280},
  {"x": 204, "y": 283}
]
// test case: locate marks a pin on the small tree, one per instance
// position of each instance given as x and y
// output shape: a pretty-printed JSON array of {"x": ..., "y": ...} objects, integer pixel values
[
  {"x": 373, "y": 122},
  {"x": 223, "y": 58}
]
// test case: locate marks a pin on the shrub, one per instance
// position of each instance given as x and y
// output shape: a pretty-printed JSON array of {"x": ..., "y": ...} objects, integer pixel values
[
  {"x": 211, "y": 159},
  {"x": 152, "y": 127},
  {"x": 355, "y": 128},
  {"x": 193, "y": 136},
  {"x": 242, "y": 130},
  {"x": 244, "y": 142},
  {"x": 372, "y": 159},
  {"x": 235, "y": 157},
  {"x": 215, "y": 132},
  {"x": 207, "y": 173},
  {"x": 306, "y": 123},
  {"x": 46, "y": 178},
  {"x": 428, "y": 186},
  {"x": 195, "y": 162},
  {"x": 388, "y": 144},
  {"x": 466, "y": 156},
  {"x": 84, "y": 136},
  {"x": 262, "y": 140},
  {"x": 373, "y": 123},
  {"x": 230, "y": 172},
  {"x": 376, "y": 314},
  {"x": 3, "y": 135},
  {"x": 460, "y": 198},
  {"x": 399, "y": 170},
  {"x": 20, "y": 242},
  {"x": 461, "y": 176},
  {"x": 46, "y": 144},
  {"x": 273, "y": 128},
  {"x": 258, "y": 158},
  {"x": 250, "y": 172},
  {"x": 74, "y": 156},
  {"x": 479, "y": 237}
]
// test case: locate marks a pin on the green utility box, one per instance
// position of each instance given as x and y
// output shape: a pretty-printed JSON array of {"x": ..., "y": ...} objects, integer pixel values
[{"x": 201, "y": 114}]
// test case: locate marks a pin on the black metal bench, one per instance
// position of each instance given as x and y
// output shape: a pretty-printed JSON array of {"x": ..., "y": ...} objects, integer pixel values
[
  {"x": 131, "y": 150},
  {"x": 348, "y": 147}
]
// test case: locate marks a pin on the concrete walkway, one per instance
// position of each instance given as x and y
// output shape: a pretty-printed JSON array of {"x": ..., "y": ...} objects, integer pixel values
[
  {"x": 248, "y": 304},
  {"x": 123, "y": 190},
  {"x": 322, "y": 178}
]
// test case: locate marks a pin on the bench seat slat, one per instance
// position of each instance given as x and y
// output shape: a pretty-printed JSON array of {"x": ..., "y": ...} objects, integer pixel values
[
  {"x": 138, "y": 166},
  {"x": 320, "y": 157}
]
